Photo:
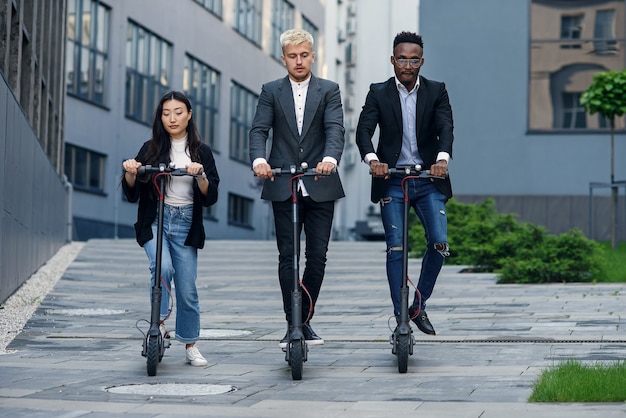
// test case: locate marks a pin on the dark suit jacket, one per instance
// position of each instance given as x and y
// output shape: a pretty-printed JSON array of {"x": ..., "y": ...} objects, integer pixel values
[
  {"x": 433, "y": 126},
  {"x": 322, "y": 135}
]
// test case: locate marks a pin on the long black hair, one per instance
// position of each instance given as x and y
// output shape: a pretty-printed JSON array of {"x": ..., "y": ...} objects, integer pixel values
[{"x": 160, "y": 144}]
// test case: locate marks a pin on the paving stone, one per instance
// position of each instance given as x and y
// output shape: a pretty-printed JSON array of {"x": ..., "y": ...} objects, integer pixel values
[{"x": 492, "y": 341}]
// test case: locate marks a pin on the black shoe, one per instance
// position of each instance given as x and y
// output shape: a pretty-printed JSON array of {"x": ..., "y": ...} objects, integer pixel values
[
  {"x": 283, "y": 343},
  {"x": 421, "y": 320},
  {"x": 310, "y": 336}
]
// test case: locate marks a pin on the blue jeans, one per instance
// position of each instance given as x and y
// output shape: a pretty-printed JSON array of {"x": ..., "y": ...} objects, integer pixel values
[
  {"x": 430, "y": 206},
  {"x": 179, "y": 263}
]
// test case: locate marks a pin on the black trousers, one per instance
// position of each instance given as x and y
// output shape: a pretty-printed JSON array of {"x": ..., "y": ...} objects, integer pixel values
[{"x": 317, "y": 220}]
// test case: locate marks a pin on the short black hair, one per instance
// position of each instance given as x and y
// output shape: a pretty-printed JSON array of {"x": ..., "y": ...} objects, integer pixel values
[{"x": 410, "y": 37}]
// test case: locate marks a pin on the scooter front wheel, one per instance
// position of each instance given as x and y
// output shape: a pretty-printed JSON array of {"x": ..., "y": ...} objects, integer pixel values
[
  {"x": 152, "y": 355},
  {"x": 402, "y": 351},
  {"x": 296, "y": 359}
]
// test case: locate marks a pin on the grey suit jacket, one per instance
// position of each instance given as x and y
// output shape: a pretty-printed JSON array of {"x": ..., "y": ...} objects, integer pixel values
[{"x": 322, "y": 135}]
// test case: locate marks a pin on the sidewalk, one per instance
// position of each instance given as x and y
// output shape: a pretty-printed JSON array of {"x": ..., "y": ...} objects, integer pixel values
[{"x": 80, "y": 354}]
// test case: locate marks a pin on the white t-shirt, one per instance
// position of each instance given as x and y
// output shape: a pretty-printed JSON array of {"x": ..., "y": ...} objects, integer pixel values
[{"x": 180, "y": 189}]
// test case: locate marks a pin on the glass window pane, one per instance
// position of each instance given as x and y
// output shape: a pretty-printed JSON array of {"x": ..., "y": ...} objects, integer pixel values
[
  {"x": 71, "y": 24},
  {"x": 83, "y": 87},
  {"x": 581, "y": 118},
  {"x": 142, "y": 51},
  {"x": 72, "y": 50},
  {"x": 102, "y": 36},
  {"x": 94, "y": 171},
  {"x": 99, "y": 77},
  {"x": 69, "y": 162},
  {"x": 80, "y": 167},
  {"x": 86, "y": 23}
]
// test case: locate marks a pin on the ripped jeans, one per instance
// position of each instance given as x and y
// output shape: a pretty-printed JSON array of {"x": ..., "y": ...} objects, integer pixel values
[{"x": 430, "y": 206}]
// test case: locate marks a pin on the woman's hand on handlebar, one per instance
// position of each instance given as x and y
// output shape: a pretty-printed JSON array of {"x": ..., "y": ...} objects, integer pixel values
[
  {"x": 263, "y": 171},
  {"x": 130, "y": 166},
  {"x": 194, "y": 168},
  {"x": 379, "y": 169}
]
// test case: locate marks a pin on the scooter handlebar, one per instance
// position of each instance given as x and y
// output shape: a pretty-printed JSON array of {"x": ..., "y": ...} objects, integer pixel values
[
  {"x": 415, "y": 171},
  {"x": 144, "y": 169},
  {"x": 303, "y": 170},
  {"x": 294, "y": 171}
]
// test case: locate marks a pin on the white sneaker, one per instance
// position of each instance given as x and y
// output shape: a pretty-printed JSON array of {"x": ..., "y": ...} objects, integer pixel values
[
  {"x": 166, "y": 336},
  {"x": 164, "y": 332},
  {"x": 194, "y": 357}
]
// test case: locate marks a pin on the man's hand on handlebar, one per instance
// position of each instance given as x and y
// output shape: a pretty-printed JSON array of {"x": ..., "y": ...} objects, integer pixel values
[
  {"x": 379, "y": 169},
  {"x": 439, "y": 169},
  {"x": 263, "y": 171},
  {"x": 325, "y": 168}
]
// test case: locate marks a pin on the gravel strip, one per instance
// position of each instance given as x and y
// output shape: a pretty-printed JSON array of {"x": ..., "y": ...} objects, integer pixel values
[{"x": 20, "y": 306}]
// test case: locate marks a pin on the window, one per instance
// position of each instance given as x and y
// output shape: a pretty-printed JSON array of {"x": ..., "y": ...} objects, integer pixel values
[
  {"x": 604, "y": 31},
  {"x": 239, "y": 211},
  {"x": 308, "y": 26},
  {"x": 282, "y": 19},
  {"x": 563, "y": 60},
  {"x": 201, "y": 84},
  {"x": 148, "y": 72},
  {"x": 214, "y": 6},
  {"x": 573, "y": 112},
  {"x": 248, "y": 19},
  {"x": 84, "y": 168},
  {"x": 571, "y": 28},
  {"x": 242, "y": 108},
  {"x": 87, "y": 49}
]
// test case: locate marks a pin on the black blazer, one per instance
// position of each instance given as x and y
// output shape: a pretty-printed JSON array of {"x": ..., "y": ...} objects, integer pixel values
[
  {"x": 322, "y": 135},
  {"x": 147, "y": 209},
  {"x": 434, "y": 127}
]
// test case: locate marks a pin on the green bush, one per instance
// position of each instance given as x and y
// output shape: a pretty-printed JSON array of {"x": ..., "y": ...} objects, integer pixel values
[
  {"x": 569, "y": 257},
  {"x": 481, "y": 237}
]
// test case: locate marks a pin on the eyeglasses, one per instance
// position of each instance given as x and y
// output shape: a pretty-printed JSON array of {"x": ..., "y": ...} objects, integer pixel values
[{"x": 413, "y": 62}]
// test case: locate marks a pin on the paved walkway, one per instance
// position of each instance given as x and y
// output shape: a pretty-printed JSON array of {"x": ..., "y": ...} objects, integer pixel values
[{"x": 79, "y": 355}]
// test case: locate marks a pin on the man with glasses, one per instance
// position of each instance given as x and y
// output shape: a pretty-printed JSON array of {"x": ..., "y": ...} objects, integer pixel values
[{"x": 415, "y": 121}]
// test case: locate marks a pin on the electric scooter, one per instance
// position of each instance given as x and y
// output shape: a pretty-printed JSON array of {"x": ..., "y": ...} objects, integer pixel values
[
  {"x": 154, "y": 343},
  {"x": 402, "y": 338},
  {"x": 297, "y": 348}
]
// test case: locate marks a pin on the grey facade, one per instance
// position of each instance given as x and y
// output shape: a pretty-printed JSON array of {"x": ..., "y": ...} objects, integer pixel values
[
  {"x": 513, "y": 141},
  {"x": 237, "y": 56},
  {"x": 509, "y": 67},
  {"x": 33, "y": 196}
]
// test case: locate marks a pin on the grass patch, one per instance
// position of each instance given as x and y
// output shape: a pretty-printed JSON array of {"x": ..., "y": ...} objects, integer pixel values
[
  {"x": 614, "y": 267},
  {"x": 575, "y": 382}
]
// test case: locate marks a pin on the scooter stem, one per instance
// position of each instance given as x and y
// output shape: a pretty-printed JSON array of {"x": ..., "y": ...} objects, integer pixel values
[
  {"x": 296, "y": 294},
  {"x": 155, "y": 315},
  {"x": 403, "y": 323}
]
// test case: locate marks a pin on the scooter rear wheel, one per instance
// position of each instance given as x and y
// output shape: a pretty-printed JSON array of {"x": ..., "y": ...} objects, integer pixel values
[
  {"x": 152, "y": 355},
  {"x": 402, "y": 351},
  {"x": 296, "y": 359}
]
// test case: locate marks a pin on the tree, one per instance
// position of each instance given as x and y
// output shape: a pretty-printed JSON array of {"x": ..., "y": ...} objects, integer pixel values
[{"x": 607, "y": 96}]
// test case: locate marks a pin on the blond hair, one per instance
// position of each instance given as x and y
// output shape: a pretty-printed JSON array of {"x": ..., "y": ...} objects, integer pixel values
[{"x": 295, "y": 37}]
